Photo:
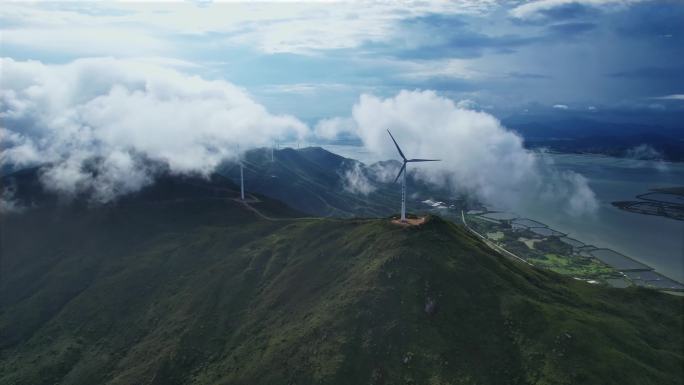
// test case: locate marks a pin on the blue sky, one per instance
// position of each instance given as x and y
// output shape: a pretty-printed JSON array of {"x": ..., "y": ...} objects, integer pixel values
[{"x": 313, "y": 60}]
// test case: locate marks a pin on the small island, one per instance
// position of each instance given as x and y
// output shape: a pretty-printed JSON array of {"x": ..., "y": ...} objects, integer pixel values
[{"x": 664, "y": 202}]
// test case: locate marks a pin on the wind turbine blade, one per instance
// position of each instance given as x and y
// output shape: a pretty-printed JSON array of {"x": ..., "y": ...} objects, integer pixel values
[
  {"x": 403, "y": 167},
  {"x": 423, "y": 160},
  {"x": 395, "y": 143}
]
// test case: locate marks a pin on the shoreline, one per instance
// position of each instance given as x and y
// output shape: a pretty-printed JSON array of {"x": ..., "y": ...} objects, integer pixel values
[{"x": 631, "y": 270}]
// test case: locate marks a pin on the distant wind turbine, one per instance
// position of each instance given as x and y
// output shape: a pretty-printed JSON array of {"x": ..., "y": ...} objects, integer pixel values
[
  {"x": 242, "y": 176},
  {"x": 403, "y": 171}
]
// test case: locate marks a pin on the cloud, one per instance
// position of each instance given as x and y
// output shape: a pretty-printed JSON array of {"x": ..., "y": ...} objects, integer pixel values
[
  {"x": 479, "y": 156},
  {"x": 384, "y": 171},
  {"x": 87, "y": 41},
  {"x": 467, "y": 104},
  {"x": 304, "y": 28},
  {"x": 670, "y": 97},
  {"x": 333, "y": 128},
  {"x": 302, "y": 88},
  {"x": 438, "y": 36},
  {"x": 645, "y": 152},
  {"x": 356, "y": 182},
  {"x": 552, "y": 9},
  {"x": 271, "y": 28},
  {"x": 541, "y": 10},
  {"x": 565, "y": 30},
  {"x": 560, "y": 106},
  {"x": 17, "y": 147},
  {"x": 101, "y": 124},
  {"x": 445, "y": 69}
]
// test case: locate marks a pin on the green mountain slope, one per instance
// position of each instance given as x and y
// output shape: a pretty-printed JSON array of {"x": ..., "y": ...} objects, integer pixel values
[
  {"x": 180, "y": 284},
  {"x": 315, "y": 181}
]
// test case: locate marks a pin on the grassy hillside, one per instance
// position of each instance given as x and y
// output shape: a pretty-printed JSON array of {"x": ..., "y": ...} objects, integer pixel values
[{"x": 179, "y": 285}]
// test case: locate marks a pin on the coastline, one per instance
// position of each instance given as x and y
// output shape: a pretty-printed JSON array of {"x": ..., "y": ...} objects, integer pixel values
[{"x": 634, "y": 271}]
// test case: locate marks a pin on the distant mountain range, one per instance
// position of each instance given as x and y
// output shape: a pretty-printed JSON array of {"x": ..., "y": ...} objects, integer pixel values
[
  {"x": 582, "y": 135},
  {"x": 181, "y": 283}
]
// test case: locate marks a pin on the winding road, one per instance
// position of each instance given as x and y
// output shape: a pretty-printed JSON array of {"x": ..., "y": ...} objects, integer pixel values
[{"x": 491, "y": 244}]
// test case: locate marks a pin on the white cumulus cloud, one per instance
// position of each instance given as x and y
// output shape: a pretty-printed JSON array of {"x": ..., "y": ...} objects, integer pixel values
[
  {"x": 355, "y": 181},
  {"x": 333, "y": 128},
  {"x": 138, "y": 28},
  {"x": 479, "y": 156},
  {"x": 97, "y": 122}
]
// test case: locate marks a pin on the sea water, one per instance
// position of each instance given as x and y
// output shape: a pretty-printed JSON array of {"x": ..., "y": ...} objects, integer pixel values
[{"x": 653, "y": 240}]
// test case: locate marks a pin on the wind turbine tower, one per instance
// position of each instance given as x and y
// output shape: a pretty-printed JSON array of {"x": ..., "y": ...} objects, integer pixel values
[
  {"x": 402, "y": 173},
  {"x": 242, "y": 182}
]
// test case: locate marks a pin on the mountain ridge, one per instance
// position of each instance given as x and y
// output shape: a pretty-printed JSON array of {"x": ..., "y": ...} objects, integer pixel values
[{"x": 160, "y": 290}]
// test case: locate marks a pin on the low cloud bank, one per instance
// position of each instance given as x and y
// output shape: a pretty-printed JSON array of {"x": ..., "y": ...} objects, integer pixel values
[
  {"x": 479, "y": 156},
  {"x": 355, "y": 180},
  {"x": 105, "y": 126},
  {"x": 100, "y": 124},
  {"x": 645, "y": 152}
]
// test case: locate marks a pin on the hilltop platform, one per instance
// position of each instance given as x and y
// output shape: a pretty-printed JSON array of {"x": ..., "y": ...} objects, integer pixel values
[{"x": 409, "y": 221}]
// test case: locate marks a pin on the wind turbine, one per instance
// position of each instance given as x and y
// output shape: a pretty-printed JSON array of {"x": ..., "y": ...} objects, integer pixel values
[{"x": 403, "y": 171}]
